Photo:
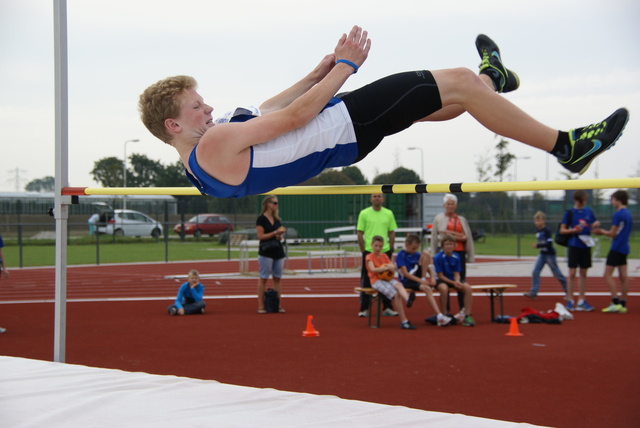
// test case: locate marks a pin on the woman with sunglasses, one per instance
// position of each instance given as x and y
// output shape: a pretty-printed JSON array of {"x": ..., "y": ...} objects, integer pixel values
[{"x": 271, "y": 253}]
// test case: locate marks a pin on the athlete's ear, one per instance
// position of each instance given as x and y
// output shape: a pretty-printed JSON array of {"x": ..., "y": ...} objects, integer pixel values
[{"x": 172, "y": 125}]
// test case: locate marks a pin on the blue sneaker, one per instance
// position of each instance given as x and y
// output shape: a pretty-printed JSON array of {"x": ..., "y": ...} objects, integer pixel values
[
  {"x": 584, "y": 307},
  {"x": 569, "y": 305}
]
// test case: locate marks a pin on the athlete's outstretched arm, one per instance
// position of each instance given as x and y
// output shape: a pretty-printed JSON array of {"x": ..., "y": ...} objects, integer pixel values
[{"x": 287, "y": 96}]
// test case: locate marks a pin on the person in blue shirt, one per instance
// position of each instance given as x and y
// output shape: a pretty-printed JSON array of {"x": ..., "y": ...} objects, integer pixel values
[
  {"x": 546, "y": 256},
  {"x": 579, "y": 248},
  {"x": 620, "y": 232},
  {"x": 189, "y": 299},
  {"x": 415, "y": 273},
  {"x": 448, "y": 266}
]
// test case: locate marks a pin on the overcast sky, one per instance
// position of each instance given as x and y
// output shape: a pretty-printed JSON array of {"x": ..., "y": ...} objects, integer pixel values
[{"x": 578, "y": 60}]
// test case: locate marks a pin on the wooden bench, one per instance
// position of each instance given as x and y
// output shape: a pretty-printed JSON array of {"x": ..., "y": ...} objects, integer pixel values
[{"x": 493, "y": 290}]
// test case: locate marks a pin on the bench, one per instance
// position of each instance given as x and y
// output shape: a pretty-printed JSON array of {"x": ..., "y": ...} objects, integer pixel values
[{"x": 493, "y": 290}]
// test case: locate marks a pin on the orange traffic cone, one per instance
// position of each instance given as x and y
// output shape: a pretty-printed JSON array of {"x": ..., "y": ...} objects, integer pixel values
[
  {"x": 513, "y": 328},
  {"x": 311, "y": 330}
]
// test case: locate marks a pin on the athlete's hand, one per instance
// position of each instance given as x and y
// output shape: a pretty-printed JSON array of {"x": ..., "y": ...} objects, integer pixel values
[{"x": 354, "y": 46}]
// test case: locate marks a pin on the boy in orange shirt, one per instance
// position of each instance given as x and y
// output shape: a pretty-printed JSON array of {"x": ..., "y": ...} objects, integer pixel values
[{"x": 379, "y": 265}]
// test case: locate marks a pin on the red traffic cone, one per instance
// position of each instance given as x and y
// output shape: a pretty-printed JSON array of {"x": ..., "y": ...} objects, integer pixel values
[
  {"x": 513, "y": 328},
  {"x": 311, "y": 330}
]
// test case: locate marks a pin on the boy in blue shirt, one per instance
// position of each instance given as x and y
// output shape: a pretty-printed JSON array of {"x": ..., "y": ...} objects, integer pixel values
[
  {"x": 413, "y": 270},
  {"x": 620, "y": 232},
  {"x": 189, "y": 299},
  {"x": 448, "y": 267},
  {"x": 579, "y": 249},
  {"x": 546, "y": 256}
]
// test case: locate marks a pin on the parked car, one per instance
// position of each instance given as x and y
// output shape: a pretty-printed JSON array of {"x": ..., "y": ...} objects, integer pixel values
[
  {"x": 208, "y": 224},
  {"x": 128, "y": 223}
]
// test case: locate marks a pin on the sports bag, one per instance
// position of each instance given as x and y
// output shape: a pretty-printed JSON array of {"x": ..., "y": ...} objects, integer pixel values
[{"x": 560, "y": 239}]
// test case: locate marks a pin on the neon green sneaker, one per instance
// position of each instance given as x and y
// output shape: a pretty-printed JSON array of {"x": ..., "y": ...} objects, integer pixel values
[
  {"x": 612, "y": 308},
  {"x": 468, "y": 321},
  {"x": 503, "y": 79},
  {"x": 591, "y": 141}
]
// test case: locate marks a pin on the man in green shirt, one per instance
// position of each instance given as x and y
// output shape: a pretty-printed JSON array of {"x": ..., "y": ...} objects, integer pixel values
[{"x": 372, "y": 221}]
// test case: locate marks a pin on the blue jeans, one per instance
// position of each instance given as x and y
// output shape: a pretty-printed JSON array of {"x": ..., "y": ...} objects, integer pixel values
[{"x": 553, "y": 265}]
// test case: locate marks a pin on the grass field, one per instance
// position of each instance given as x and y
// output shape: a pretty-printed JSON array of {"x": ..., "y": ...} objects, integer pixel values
[{"x": 124, "y": 250}]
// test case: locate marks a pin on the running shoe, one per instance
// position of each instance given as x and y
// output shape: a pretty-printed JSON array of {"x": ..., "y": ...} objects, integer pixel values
[
  {"x": 504, "y": 79},
  {"x": 2, "y": 330},
  {"x": 623, "y": 310},
  {"x": 459, "y": 316},
  {"x": 530, "y": 295},
  {"x": 570, "y": 305},
  {"x": 172, "y": 310},
  {"x": 612, "y": 309},
  {"x": 411, "y": 298},
  {"x": 389, "y": 313},
  {"x": 588, "y": 142},
  {"x": 468, "y": 321},
  {"x": 407, "y": 326},
  {"x": 363, "y": 314},
  {"x": 444, "y": 321},
  {"x": 584, "y": 307}
]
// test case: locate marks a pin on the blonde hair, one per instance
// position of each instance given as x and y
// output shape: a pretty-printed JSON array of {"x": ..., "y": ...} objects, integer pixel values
[
  {"x": 160, "y": 102},
  {"x": 265, "y": 206},
  {"x": 194, "y": 272},
  {"x": 540, "y": 215}
]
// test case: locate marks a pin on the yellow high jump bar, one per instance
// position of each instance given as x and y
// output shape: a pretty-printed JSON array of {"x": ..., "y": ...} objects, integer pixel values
[{"x": 511, "y": 186}]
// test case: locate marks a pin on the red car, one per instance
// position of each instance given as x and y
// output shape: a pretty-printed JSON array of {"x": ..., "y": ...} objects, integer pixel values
[{"x": 208, "y": 224}]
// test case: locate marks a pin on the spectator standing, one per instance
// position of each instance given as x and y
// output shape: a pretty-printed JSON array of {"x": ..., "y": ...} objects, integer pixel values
[
  {"x": 375, "y": 220},
  {"x": 271, "y": 253},
  {"x": 93, "y": 220},
  {"x": 578, "y": 222},
  {"x": 546, "y": 256},
  {"x": 620, "y": 232}
]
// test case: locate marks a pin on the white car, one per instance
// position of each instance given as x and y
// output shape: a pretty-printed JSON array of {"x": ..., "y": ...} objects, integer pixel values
[{"x": 128, "y": 223}]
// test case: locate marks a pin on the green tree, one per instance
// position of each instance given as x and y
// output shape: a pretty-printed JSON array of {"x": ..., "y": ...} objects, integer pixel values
[
  {"x": 483, "y": 168},
  {"x": 144, "y": 172},
  {"x": 45, "y": 184},
  {"x": 173, "y": 176},
  {"x": 354, "y": 173},
  {"x": 108, "y": 172},
  {"x": 399, "y": 175},
  {"x": 503, "y": 159},
  {"x": 329, "y": 177}
]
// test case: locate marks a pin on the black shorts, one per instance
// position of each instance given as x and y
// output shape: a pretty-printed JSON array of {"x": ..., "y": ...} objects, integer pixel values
[
  {"x": 439, "y": 281},
  {"x": 579, "y": 257},
  {"x": 413, "y": 285},
  {"x": 615, "y": 258},
  {"x": 390, "y": 105}
]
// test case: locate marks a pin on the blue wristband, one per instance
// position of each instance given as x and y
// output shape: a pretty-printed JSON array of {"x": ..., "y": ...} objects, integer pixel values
[{"x": 346, "y": 61}]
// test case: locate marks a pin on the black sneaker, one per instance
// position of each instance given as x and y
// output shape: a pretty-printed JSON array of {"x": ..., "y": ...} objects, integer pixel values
[
  {"x": 591, "y": 141},
  {"x": 504, "y": 79},
  {"x": 411, "y": 298},
  {"x": 407, "y": 326}
]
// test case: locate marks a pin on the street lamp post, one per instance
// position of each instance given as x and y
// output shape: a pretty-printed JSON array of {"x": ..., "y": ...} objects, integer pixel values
[
  {"x": 422, "y": 177},
  {"x": 124, "y": 171}
]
